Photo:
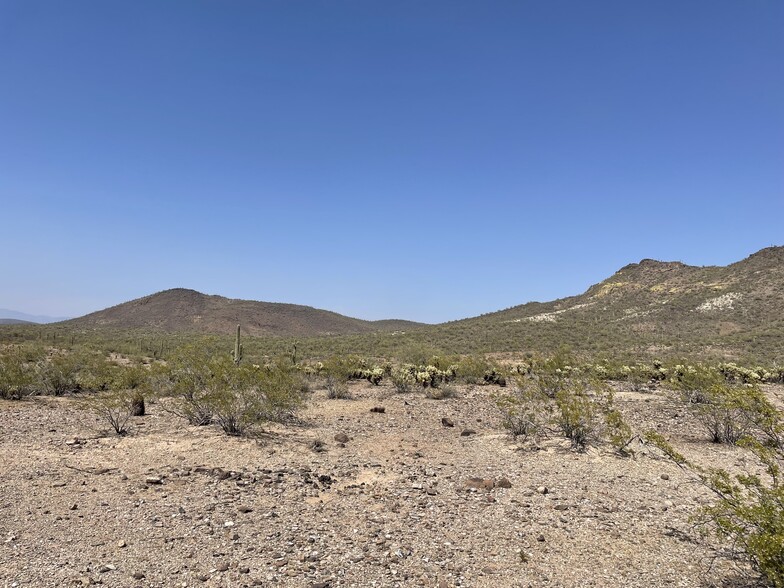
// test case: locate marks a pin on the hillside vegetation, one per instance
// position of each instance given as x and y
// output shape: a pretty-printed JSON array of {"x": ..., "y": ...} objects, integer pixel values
[{"x": 646, "y": 309}]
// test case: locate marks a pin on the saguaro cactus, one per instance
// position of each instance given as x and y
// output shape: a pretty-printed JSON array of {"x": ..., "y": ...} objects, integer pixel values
[{"x": 237, "y": 353}]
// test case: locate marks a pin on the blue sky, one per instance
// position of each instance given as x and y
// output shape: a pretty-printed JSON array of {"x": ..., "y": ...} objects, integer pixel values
[{"x": 411, "y": 159}]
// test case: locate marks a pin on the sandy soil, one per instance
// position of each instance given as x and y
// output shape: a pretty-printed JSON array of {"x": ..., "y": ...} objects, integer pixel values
[{"x": 176, "y": 505}]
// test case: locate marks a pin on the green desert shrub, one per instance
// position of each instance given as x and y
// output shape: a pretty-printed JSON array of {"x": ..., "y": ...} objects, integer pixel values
[
  {"x": 579, "y": 414},
  {"x": 204, "y": 388},
  {"x": 18, "y": 375},
  {"x": 472, "y": 369},
  {"x": 730, "y": 413},
  {"x": 748, "y": 511},
  {"x": 618, "y": 432},
  {"x": 441, "y": 392},
  {"x": 337, "y": 387},
  {"x": 59, "y": 373},
  {"x": 239, "y": 397},
  {"x": 694, "y": 382},
  {"x": 116, "y": 407},
  {"x": 526, "y": 410}
]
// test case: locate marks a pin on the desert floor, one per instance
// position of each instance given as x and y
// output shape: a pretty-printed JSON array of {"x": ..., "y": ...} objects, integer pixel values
[{"x": 177, "y": 505}]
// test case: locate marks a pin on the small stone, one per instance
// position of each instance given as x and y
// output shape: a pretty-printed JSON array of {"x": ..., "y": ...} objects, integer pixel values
[
  {"x": 203, "y": 577},
  {"x": 542, "y": 490},
  {"x": 561, "y": 507},
  {"x": 503, "y": 483},
  {"x": 379, "y": 409},
  {"x": 665, "y": 477},
  {"x": 467, "y": 433},
  {"x": 106, "y": 568},
  {"x": 244, "y": 570},
  {"x": 447, "y": 422},
  {"x": 138, "y": 575},
  {"x": 540, "y": 538},
  {"x": 245, "y": 509},
  {"x": 479, "y": 484},
  {"x": 73, "y": 506},
  {"x": 121, "y": 543},
  {"x": 342, "y": 438},
  {"x": 153, "y": 480},
  {"x": 314, "y": 556},
  {"x": 222, "y": 567}
]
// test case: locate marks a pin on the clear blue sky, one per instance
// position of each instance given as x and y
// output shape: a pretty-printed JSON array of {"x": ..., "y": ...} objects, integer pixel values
[{"x": 411, "y": 159}]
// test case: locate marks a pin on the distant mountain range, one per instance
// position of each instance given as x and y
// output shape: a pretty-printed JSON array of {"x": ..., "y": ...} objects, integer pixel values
[
  {"x": 647, "y": 308},
  {"x": 7, "y": 315},
  {"x": 182, "y": 310}
]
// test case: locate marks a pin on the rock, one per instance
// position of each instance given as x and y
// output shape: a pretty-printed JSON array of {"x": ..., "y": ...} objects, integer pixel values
[
  {"x": 203, "y": 577},
  {"x": 561, "y": 507},
  {"x": 244, "y": 570},
  {"x": 313, "y": 556},
  {"x": 74, "y": 506},
  {"x": 325, "y": 584},
  {"x": 356, "y": 556},
  {"x": 121, "y": 543},
  {"x": 379, "y": 409},
  {"x": 503, "y": 483},
  {"x": 245, "y": 509},
  {"x": 342, "y": 438},
  {"x": 447, "y": 422},
  {"x": 540, "y": 538},
  {"x": 542, "y": 490},
  {"x": 467, "y": 433},
  {"x": 106, "y": 568},
  {"x": 665, "y": 477},
  {"x": 479, "y": 484},
  {"x": 138, "y": 575},
  {"x": 223, "y": 567},
  {"x": 153, "y": 480}
]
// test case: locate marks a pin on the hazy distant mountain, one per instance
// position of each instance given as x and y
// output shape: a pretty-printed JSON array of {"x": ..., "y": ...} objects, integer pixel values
[
  {"x": 28, "y": 318},
  {"x": 181, "y": 310}
]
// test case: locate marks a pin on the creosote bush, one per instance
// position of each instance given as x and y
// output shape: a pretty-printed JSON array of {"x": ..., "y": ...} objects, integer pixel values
[
  {"x": 748, "y": 510},
  {"x": 337, "y": 388},
  {"x": 209, "y": 389},
  {"x": 578, "y": 408},
  {"x": 114, "y": 407}
]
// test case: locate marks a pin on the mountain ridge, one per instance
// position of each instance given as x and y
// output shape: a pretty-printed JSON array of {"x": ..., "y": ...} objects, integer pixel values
[{"x": 185, "y": 310}]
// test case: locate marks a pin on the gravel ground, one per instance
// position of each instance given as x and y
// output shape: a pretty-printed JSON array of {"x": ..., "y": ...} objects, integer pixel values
[{"x": 392, "y": 505}]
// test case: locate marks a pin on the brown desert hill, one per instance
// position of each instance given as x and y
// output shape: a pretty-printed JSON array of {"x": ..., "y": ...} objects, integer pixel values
[
  {"x": 645, "y": 307},
  {"x": 182, "y": 310}
]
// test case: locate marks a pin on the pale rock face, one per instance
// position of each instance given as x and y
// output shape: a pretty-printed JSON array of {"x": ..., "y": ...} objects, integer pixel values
[{"x": 723, "y": 302}]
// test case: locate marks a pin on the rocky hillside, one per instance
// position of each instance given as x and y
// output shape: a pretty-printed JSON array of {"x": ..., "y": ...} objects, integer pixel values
[
  {"x": 650, "y": 307},
  {"x": 181, "y": 310}
]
